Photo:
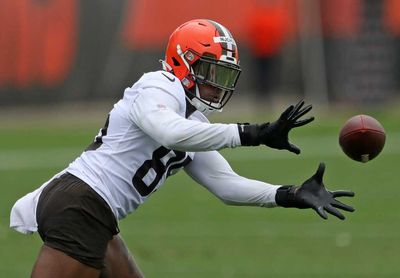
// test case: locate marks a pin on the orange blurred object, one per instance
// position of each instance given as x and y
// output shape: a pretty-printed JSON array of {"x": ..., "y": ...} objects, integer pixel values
[{"x": 268, "y": 27}]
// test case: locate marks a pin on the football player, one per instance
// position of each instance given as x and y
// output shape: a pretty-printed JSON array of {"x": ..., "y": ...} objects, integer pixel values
[{"x": 157, "y": 128}]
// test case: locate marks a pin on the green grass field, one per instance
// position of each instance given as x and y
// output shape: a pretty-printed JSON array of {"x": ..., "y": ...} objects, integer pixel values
[{"x": 184, "y": 231}]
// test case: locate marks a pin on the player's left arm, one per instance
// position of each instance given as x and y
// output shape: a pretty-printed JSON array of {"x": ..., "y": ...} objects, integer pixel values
[{"x": 211, "y": 170}]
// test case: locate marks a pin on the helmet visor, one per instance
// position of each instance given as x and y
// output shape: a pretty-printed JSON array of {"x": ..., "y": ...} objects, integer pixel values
[{"x": 216, "y": 73}]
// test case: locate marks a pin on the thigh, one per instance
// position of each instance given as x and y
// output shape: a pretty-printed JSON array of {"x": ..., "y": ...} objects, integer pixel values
[
  {"x": 75, "y": 220},
  {"x": 53, "y": 263},
  {"x": 119, "y": 262}
]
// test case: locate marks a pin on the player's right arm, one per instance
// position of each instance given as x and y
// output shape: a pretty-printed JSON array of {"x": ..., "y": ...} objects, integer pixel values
[
  {"x": 156, "y": 113},
  {"x": 158, "y": 107}
]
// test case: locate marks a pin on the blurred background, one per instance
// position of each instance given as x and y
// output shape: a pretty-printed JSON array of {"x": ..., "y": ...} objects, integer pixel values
[
  {"x": 342, "y": 51},
  {"x": 64, "y": 63}
]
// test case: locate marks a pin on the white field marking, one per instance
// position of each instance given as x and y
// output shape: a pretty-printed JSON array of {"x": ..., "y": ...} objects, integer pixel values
[{"x": 311, "y": 146}]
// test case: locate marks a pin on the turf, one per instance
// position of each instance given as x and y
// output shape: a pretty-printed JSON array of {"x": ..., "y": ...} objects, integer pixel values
[{"x": 184, "y": 231}]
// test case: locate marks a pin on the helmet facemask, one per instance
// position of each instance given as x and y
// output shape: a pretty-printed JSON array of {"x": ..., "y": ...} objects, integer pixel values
[
  {"x": 203, "y": 55},
  {"x": 206, "y": 70}
]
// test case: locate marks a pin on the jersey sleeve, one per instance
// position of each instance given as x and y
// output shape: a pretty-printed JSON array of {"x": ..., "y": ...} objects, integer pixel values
[
  {"x": 211, "y": 170},
  {"x": 158, "y": 114}
]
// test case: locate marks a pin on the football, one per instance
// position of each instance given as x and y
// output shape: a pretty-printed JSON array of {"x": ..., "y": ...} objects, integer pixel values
[{"x": 362, "y": 138}]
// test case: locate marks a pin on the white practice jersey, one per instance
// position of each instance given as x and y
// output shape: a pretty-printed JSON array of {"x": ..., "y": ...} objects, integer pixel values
[{"x": 147, "y": 137}]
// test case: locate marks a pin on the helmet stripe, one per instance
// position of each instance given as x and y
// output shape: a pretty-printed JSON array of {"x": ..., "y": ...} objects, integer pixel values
[{"x": 228, "y": 46}]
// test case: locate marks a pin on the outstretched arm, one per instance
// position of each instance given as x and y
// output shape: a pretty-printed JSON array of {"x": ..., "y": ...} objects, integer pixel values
[
  {"x": 211, "y": 170},
  {"x": 156, "y": 113}
]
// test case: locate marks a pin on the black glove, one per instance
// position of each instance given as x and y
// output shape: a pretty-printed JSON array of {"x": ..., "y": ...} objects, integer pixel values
[
  {"x": 275, "y": 135},
  {"x": 313, "y": 194}
]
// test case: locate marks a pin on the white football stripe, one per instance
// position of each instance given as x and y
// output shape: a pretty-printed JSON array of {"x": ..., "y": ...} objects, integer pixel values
[{"x": 230, "y": 43}]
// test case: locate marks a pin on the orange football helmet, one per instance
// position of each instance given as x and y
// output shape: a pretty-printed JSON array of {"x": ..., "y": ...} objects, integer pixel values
[{"x": 203, "y": 51}]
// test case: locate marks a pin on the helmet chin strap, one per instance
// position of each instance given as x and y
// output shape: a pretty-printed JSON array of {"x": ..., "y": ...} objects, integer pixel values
[
  {"x": 201, "y": 106},
  {"x": 165, "y": 65}
]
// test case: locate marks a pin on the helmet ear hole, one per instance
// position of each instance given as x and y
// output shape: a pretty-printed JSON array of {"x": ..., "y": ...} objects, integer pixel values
[{"x": 176, "y": 63}]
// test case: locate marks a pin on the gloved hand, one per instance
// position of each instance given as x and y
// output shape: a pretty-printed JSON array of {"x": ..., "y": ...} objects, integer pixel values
[
  {"x": 275, "y": 135},
  {"x": 313, "y": 194}
]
